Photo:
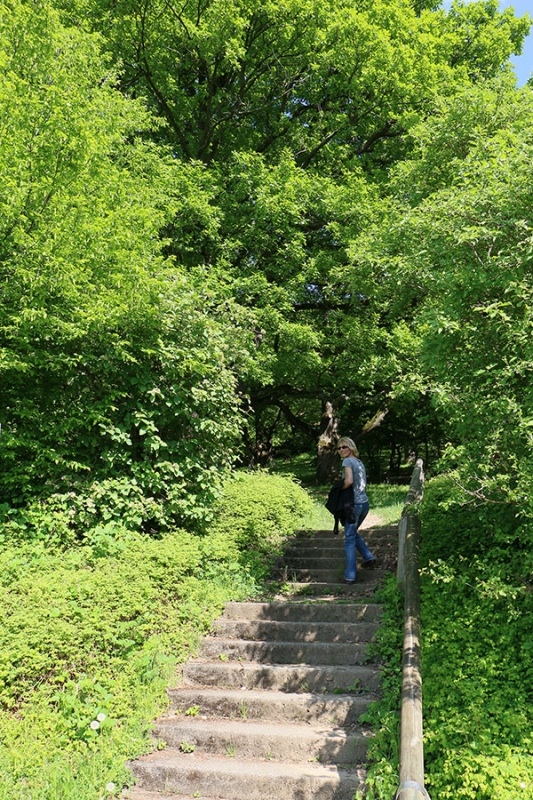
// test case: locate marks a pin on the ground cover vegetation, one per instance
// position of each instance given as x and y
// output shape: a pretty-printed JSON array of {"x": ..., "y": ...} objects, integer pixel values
[
  {"x": 91, "y": 632},
  {"x": 228, "y": 229},
  {"x": 476, "y": 605}
]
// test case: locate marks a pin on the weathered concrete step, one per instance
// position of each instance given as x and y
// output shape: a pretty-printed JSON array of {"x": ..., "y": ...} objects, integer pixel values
[
  {"x": 269, "y": 740},
  {"x": 289, "y": 678},
  {"x": 332, "y": 589},
  {"x": 330, "y": 557},
  {"x": 273, "y": 706},
  {"x": 284, "y": 652},
  {"x": 331, "y": 575},
  {"x": 305, "y": 553},
  {"x": 337, "y": 542},
  {"x": 264, "y": 630},
  {"x": 173, "y": 771},
  {"x": 327, "y": 534},
  {"x": 331, "y": 542},
  {"x": 304, "y": 612},
  {"x": 336, "y": 546},
  {"x": 319, "y": 562},
  {"x": 140, "y": 794}
]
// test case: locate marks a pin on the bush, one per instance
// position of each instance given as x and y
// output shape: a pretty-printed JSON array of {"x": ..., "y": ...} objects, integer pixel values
[
  {"x": 257, "y": 513},
  {"x": 94, "y": 617},
  {"x": 453, "y": 521},
  {"x": 89, "y": 636}
]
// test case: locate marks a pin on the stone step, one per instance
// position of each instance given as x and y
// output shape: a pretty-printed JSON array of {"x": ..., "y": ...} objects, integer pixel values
[
  {"x": 327, "y": 534},
  {"x": 318, "y": 562},
  {"x": 328, "y": 546},
  {"x": 316, "y": 559},
  {"x": 329, "y": 539},
  {"x": 336, "y": 545},
  {"x": 140, "y": 794},
  {"x": 271, "y": 709},
  {"x": 195, "y": 775},
  {"x": 331, "y": 653},
  {"x": 330, "y": 590},
  {"x": 274, "y": 631},
  {"x": 304, "y": 612},
  {"x": 332, "y": 556},
  {"x": 318, "y": 575},
  {"x": 274, "y": 706},
  {"x": 284, "y": 678},
  {"x": 275, "y": 741}
]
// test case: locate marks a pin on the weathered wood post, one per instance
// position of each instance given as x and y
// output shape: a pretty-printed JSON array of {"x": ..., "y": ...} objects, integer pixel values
[{"x": 411, "y": 744}]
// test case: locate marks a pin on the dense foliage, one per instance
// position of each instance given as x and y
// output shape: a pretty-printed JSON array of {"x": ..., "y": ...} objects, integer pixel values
[
  {"x": 466, "y": 269},
  {"x": 297, "y": 111},
  {"x": 115, "y": 384},
  {"x": 90, "y": 633},
  {"x": 382, "y": 715},
  {"x": 458, "y": 251},
  {"x": 478, "y": 678},
  {"x": 225, "y": 229},
  {"x": 187, "y": 197},
  {"x": 255, "y": 517}
]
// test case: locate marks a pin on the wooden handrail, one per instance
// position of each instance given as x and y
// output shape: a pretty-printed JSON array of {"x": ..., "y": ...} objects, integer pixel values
[{"x": 411, "y": 785}]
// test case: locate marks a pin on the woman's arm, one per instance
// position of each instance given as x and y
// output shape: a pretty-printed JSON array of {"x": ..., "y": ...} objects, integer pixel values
[{"x": 348, "y": 477}]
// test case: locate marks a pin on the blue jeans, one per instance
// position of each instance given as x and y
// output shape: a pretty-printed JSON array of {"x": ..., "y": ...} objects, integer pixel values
[{"x": 352, "y": 540}]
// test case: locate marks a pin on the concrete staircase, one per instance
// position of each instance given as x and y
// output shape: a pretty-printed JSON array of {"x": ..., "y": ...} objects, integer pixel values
[{"x": 270, "y": 709}]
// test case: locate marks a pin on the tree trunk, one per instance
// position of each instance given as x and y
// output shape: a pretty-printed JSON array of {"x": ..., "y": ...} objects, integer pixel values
[
  {"x": 261, "y": 447},
  {"x": 328, "y": 465}
]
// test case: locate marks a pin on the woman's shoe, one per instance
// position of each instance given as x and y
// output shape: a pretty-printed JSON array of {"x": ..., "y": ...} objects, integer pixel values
[
  {"x": 370, "y": 564},
  {"x": 345, "y": 580}
]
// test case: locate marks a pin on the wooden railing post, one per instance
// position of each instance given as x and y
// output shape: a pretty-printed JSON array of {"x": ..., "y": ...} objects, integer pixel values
[{"x": 411, "y": 745}]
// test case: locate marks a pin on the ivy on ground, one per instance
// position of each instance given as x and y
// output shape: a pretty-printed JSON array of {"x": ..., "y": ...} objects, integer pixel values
[{"x": 477, "y": 643}]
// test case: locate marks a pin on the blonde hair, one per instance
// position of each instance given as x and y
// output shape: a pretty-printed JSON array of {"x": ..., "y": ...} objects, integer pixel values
[{"x": 351, "y": 444}]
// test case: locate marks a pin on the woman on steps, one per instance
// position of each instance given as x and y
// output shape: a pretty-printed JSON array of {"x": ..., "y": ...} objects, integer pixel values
[{"x": 354, "y": 474}]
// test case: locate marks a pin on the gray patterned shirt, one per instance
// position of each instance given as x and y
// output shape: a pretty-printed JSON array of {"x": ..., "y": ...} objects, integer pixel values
[{"x": 359, "y": 478}]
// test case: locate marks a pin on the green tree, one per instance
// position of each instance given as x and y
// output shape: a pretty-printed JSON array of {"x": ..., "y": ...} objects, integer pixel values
[
  {"x": 465, "y": 271},
  {"x": 111, "y": 370},
  {"x": 298, "y": 110}
]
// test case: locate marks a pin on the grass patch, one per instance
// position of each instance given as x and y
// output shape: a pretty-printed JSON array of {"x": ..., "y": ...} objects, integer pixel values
[
  {"x": 387, "y": 501},
  {"x": 302, "y": 467}
]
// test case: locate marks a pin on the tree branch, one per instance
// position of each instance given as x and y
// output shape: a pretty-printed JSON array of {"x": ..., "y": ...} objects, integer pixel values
[{"x": 373, "y": 423}]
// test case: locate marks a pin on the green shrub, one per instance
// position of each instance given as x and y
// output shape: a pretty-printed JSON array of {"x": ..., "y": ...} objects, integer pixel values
[
  {"x": 452, "y": 520},
  {"x": 93, "y": 619},
  {"x": 257, "y": 513},
  {"x": 64, "y": 519},
  {"x": 89, "y": 636}
]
